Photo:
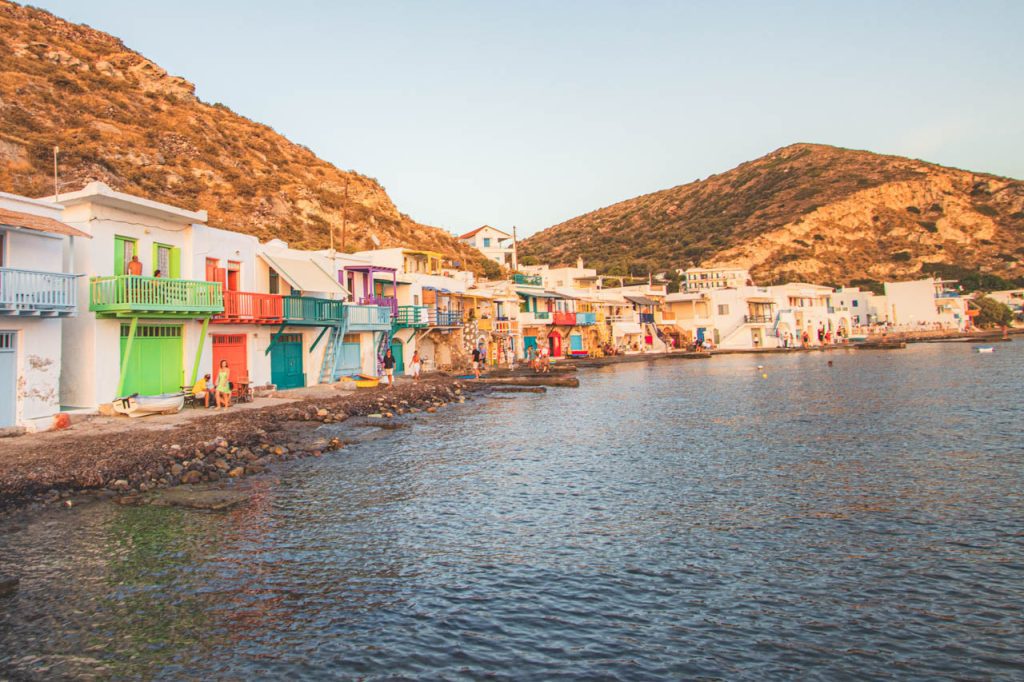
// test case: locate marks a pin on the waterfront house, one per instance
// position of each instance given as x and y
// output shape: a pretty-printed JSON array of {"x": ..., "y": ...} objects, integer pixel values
[
  {"x": 702, "y": 279},
  {"x": 807, "y": 308},
  {"x": 492, "y": 242},
  {"x": 146, "y": 303},
  {"x": 38, "y": 291},
  {"x": 926, "y": 304}
]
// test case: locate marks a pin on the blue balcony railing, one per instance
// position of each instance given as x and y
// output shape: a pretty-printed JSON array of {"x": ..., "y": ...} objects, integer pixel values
[
  {"x": 586, "y": 318},
  {"x": 33, "y": 292},
  {"x": 368, "y": 318}
]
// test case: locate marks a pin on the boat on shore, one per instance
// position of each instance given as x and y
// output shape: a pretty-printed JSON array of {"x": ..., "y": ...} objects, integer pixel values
[{"x": 136, "y": 405}]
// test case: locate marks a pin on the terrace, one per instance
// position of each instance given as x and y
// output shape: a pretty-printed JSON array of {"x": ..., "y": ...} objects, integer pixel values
[
  {"x": 307, "y": 310},
  {"x": 586, "y": 319},
  {"x": 37, "y": 293},
  {"x": 528, "y": 280},
  {"x": 368, "y": 318},
  {"x": 411, "y": 317},
  {"x": 133, "y": 295}
]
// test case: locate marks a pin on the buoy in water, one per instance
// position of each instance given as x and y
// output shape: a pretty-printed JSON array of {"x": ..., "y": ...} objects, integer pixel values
[{"x": 764, "y": 376}]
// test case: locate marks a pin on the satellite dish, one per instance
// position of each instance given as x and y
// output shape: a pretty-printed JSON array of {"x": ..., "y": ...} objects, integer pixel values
[{"x": 375, "y": 240}]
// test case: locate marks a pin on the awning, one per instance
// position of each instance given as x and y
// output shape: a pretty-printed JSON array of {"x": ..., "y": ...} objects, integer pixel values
[
  {"x": 760, "y": 299},
  {"x": 640, "y": 300},
  {"x": 539, "y": 294},
  {"x": 29, "y": 221},
  {"x": 304, "y": 274}
]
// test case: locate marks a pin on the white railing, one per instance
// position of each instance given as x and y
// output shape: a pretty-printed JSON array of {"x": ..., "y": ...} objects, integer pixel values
[{"x": 34, "y": 291}]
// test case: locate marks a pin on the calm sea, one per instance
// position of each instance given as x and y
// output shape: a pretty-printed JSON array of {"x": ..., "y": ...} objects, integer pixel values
[{"x": 669, "y": 519}]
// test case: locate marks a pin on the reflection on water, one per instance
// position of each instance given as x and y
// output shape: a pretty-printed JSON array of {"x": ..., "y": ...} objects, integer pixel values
[{"x": 667, "y": 519}]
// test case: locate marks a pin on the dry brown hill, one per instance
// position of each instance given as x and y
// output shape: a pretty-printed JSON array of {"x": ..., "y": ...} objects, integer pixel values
[
  {"x": 808, "y": 212},
  {"x": 120, "y": 118}
]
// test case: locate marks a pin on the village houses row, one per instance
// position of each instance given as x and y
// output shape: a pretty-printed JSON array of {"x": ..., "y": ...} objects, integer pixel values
[{"x": 106, "y": 294}]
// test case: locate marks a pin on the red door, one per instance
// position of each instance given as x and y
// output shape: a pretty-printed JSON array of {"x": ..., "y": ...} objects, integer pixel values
[
  {"x": 230, "y": 347},
  {"x": 555, "y": 344}
]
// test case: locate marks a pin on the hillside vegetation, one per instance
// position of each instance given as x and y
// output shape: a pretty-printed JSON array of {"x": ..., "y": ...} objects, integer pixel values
[
  {"x": 809, "y": 212},
  {"x": 122, "y": 119}
]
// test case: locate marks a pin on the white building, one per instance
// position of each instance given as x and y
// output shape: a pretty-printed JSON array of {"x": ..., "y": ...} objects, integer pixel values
[
  {"x": 134, "y": 338},
  {"x": 925, "y": 304},
  {"x": 866, "y": 307},
  {"x": 697, "y": 279},
  {"x": 491, "y": 242},
  {"x": 807, "y": 310},
  {"x": 37, "y": 290},
  {"x": 740, "y": 318}
]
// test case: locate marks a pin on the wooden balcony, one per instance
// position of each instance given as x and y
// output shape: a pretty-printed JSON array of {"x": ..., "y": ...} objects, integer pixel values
[
  {"x": 758, "y": 319},
  {"x": 37, "y": 293},
  {"x": 134, "y": 295},
  {"x": 244, "y": 307},
  {"x": 646, "y": 318},
  {"x": 368, "y": 318},
  {"x": 384, "y": 301},
  {"x": 444, "y": 318},
  {"x": 504, "y": 326},
  {"x": 310, "y": 311},
  {"x": 411, "y": 317}
]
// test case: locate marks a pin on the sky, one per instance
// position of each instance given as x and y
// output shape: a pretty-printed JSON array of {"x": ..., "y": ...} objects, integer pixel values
[{"x": 530, "y": 113}]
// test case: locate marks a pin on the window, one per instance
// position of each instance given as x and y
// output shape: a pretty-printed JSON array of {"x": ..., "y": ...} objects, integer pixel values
[
  {"x": 211, "y": 269},
  {"x": 855, "y": 303},
  {"x": 274, "y": 286},
  {"x": 487, "y": 242},
  {"x": 166, "y": 259},
  {"x": 3, "y": 237},
  {"x": 124, "y": 249},
  {"x": 723, "y": 309}
]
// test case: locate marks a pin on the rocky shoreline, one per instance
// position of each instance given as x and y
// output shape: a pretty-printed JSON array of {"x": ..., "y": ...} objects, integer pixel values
[{"x": 129, "y": 466}]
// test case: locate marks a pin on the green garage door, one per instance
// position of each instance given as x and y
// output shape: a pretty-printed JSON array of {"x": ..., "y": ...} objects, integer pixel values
[
  {"x": 286, "y": 362},
  {"x": 155, "y": 366},
  {"x": 351, "y": 357}
]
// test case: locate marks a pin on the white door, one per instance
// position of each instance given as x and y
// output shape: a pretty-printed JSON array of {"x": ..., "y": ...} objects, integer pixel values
[{"x": 8, "y": 378}]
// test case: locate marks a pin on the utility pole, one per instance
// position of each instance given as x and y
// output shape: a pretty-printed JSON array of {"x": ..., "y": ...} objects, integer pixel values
[
  {"x": 56, "y": 186},
  {"x": 344, "y": 220},
  {"x": 515, "y": 250}
]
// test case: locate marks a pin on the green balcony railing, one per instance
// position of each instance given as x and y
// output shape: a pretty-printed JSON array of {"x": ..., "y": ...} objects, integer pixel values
[
  {"x": 302, "y": 310},
  {"x": 157, "y": 296},
  {"x": 412, "y": 317}
]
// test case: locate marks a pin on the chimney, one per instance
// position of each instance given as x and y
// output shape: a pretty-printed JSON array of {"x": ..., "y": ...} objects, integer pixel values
[{"x": 579, "y": 262}]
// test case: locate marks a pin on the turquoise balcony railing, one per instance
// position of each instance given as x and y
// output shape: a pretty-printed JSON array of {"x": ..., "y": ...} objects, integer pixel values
[
  {"x": 307, "y": 310},
  {"x": 37, "y": 293},
  {"x": 368, "y": 318},
  {"x": 586, "y": 318},
  {"x": 131, "y": 295},
  {"x": 528, "y": 280}
]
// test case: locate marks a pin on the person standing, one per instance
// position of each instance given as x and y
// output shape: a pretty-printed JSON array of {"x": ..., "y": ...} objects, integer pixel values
[
  {"x": 476, "y": 362},
  {"x": 389, "y": 368},
  {"x": 135, "y": 266},
  {"x": 415, "y": 366},
  {"x": 223, "y": 385}
]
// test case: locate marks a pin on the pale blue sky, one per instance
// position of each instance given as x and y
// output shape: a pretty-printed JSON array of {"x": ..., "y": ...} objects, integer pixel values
[{"x": 530, "y": 113}]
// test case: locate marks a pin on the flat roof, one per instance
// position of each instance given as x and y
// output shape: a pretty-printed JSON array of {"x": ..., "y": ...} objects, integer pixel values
[{"x": 101, "y": 193}]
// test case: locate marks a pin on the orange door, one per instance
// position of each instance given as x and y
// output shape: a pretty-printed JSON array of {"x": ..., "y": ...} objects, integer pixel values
[{"x": 230, "y": 347}]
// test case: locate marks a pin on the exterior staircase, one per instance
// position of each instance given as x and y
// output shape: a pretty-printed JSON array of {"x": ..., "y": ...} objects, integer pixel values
[{"x": 332, "y": 352}]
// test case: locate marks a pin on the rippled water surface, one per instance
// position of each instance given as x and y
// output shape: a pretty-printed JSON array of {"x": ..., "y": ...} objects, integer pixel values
[{"x": 668, "y": 519}]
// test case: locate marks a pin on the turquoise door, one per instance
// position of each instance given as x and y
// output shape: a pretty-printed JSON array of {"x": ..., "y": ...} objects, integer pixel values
[
  {"x": 398, "y": 350},
  {"x": 575, "y": 342},
  {"x": 286, "y": 362},
  {"x": 528, "y": 343},
  {"x": 351, "y": 360},
  {"x": 8, "y": 378},
  {"x": 700, "y": 334}
]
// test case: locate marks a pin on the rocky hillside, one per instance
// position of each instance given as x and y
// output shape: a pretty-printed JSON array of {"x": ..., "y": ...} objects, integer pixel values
[
  {"x": 808, "y": 212},
  {"x": 120, "y": 118}
]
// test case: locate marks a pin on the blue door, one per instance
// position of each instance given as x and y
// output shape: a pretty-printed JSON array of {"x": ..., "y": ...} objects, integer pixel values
[
  {"x": 575, "y": 343},
  {"x": 8, "y": 378},
  {"x": 700, "y": 334},
  {"x": 398, "y": 351},
  {"x": 528, "y": 343},
  {"x": 351, "y": 360}
]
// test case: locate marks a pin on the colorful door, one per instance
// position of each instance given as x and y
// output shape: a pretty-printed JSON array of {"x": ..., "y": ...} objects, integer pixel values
[
  {"x": 8, "y": 378},
  {"x": 528, "y": 343},
  {"x": 124, "y": 249},
  {"x": 286, "y": 362},
  {"x": 555, "y": 344},
  {"x": 576, "y": 343},
  {"x": 156, "y": 364},
  {"x": 231, "y": 347},
  {"x": 351, "y": 360},
  {"x": 398, "y": 350}
]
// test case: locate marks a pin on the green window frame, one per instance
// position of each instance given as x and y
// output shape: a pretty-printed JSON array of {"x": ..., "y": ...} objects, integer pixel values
[
  {"x": 169, "y": 256},
  {"x": 120, "y": 257}
]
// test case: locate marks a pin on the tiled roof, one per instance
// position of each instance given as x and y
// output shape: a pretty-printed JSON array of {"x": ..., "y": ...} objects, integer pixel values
[
  {"x": 483, "y": 227},
  {"x": 38, "y": 222}
]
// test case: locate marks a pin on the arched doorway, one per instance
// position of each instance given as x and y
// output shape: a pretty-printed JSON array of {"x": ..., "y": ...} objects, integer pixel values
[
  {"x": 555, "y": 344},
  {"x": 398, "y": 351}
]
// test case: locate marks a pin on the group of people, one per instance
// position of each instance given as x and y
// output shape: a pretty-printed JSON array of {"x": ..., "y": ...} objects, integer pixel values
[
  {"x": 825, "y": 337},
  {"x": 539, "y": 359},
  {"x": 220, "y": 391},
  {"x": 415, "y": 367}
]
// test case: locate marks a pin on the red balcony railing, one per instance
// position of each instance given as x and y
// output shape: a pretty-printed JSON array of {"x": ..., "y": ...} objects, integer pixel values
[
  {"x": 567, "y": 319},
  {"x": 244, "y": 307}
]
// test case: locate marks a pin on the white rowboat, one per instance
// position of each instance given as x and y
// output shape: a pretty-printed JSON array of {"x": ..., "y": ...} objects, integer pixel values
[{"x": 142, "y": 405}]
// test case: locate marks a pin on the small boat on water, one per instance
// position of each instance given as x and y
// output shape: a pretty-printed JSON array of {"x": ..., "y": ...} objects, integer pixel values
[
  {"x": 136, "y": 405},
  {"x": 984, "y": 349}
]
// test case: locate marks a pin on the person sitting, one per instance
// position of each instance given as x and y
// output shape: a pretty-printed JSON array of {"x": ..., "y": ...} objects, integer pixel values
[{"x": 201, "y": 390}]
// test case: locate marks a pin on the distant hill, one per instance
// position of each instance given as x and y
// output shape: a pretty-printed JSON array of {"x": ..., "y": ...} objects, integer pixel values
[
  {"x": 120, "y": 118},
  {"x": 808, "y": 212}
]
